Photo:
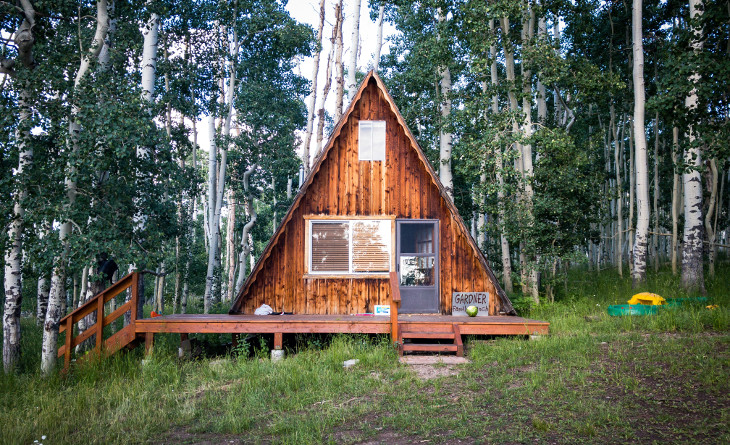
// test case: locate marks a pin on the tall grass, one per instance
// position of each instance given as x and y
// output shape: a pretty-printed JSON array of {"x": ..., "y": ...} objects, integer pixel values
[{"x": 598, "y": 379}]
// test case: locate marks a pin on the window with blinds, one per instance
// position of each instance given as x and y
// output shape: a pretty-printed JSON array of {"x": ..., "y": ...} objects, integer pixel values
[
  {"x": 359, "y": 246},
  {"x": 330, "y": 247},
  {"x": 372, "y": 141}
]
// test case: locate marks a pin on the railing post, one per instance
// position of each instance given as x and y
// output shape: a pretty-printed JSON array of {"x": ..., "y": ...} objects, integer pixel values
[
  {"x": 69, "y": 339},
  {"x": 99, "y": 322},
  {"x": 395, "y": 298},
  {"x": 136, "y": 290}
]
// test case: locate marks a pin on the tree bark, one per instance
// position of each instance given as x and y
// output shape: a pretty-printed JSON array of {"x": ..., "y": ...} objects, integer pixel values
[
  {"x": 528, "y": 26},
  {"x": 713, "y": 180},
  {"x": 231, "y": 247},
  {"x": 504, "y": 242},
  {"x": 313, "y": 95},
  {"x": 619, "y": 193},
  {"x": 355, "y": 49},
  {"x": 339, "y": 67},
  {"x": 445, "y": 137},
  {"x": 676, "y": 184},
  {"x": 12, "y": 283},
  {"x": 57, "y": 295},
  {"x": 327, "y": 83},
  {"x": 379, "y": 44},
  {"x": 149, "y": 55},
  {"x": 692, "y": 273},
  {"x": 641, "y": 164},
  {"x": 246, "y": 245},
  {"x": 655, "y": 240}
]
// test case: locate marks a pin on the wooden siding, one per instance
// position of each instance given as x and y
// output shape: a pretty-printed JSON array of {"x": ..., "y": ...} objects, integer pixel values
[{"x": 402, "y": 186}]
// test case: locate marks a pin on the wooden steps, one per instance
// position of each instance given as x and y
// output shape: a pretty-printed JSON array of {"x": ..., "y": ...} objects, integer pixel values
[{"x": 413, "y": 338}]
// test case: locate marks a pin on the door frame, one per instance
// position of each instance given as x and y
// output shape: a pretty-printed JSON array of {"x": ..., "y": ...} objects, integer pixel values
[{"x": 437, "y": 262}]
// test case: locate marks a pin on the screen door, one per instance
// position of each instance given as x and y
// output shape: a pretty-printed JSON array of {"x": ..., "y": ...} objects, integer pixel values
[{"x": 418, "y": 266}]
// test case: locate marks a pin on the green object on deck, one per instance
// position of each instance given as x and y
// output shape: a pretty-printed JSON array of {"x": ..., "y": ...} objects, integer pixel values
[{"x": 618, "y": 310}]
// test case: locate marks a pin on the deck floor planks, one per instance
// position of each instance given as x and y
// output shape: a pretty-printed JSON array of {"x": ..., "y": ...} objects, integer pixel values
[{"x": 225, "y": 323}]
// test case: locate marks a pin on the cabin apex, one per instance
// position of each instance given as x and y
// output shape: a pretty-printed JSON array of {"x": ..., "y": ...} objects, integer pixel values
[{"x": 372, "y": 204}]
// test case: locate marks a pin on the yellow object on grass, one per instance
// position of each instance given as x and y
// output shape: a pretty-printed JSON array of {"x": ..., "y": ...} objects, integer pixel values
[
  {"x": 712, "y": 306},
  {"x": 647, "y": 298}
]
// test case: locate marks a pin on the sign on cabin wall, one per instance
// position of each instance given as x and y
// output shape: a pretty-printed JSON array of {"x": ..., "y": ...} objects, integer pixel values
[{"x": 461, "y": 300}]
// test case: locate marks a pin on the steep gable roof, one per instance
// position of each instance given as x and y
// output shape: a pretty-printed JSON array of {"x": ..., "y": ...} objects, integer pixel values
[{"x": 371, "y": 77}]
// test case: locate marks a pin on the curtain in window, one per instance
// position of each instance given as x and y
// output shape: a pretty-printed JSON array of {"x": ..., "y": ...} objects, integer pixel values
[{"x": 371, "y": 246}]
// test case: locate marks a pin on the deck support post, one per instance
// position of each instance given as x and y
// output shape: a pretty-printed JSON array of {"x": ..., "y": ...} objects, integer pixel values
[
  {"x": 149, "y": 342},
  {"x": 278, "y": 340},
  {"x": 457, "y": 341},
  {"x": 235, "y": 337}
]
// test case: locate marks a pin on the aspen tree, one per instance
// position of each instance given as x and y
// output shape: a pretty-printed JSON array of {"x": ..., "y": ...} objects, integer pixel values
[
  {"x": 24, "y": 41},
  {"x": 641, "y": 163},
  {"x": 313, "y": 97},
  {"x": 692, "y": 273},
  {"x": 57, "y": 294},
  {"x": 354, "y": 51}
]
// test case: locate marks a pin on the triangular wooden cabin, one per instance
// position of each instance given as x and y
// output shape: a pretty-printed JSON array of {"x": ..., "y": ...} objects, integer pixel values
[
  {"x": 371, "y": 225},
  {"x": 371, "y": 205}
]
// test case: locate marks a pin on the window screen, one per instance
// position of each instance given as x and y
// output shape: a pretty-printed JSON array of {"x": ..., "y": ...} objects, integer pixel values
[
  {"x": 330, "y": 247},
  {"x": 372, "y": 141}
]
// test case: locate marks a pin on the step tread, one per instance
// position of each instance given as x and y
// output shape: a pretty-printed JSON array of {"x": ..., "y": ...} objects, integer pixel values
[
  {"x": 415, "y": 334},
  {"x": 429, "y": 347}
]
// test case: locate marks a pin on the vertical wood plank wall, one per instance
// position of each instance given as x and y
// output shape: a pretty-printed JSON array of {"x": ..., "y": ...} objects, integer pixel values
[{"x": 399, "y": 186}]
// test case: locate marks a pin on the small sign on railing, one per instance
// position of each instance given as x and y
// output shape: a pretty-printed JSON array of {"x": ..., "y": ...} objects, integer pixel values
[
  {"x": 382, "y": 309},
  {"x": 462, "y": 300}
]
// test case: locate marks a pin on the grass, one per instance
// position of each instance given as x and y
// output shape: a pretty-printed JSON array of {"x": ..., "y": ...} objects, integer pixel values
[{"x": 659, "y": 378}]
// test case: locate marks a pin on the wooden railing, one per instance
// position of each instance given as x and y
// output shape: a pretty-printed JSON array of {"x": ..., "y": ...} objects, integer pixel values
[
  {"x": 96, "y": 305},
  {"x": 395, "y": 298}
]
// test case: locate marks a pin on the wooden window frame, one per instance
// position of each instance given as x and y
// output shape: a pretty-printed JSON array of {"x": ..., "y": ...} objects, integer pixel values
[{"x": 308, "y": 219}]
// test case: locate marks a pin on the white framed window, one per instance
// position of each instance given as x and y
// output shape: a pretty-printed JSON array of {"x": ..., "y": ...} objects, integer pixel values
[
  {"x": 372, "y": 141},
  {"x": 362, "y": 246}
]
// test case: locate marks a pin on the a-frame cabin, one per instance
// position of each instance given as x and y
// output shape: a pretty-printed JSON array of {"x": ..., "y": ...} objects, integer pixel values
[
  {"x": 371, "y": 225},
  {"x": 371, "y": 205}
]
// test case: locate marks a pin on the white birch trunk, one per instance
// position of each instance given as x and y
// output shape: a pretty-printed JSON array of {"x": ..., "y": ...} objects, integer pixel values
[
  {"x": 326, "y": 88},
  {"x": 212, "y": 226},
  {"x": 445, "y": 137},
  {"x": 655, "y": 239},
  {"x": 379, "y": 43},
  {"x": 355, "y": 49},
  {"x": 339, "y": 65},
  {"x": 504, "y": 242},
  {"x": 306, "y": 161},
  {"x": 692, "y": 273},
  {"x": 246, "y": 244},
  {"x": 14, "y": 255},
  {"x": 641, "y": 159},
  {"x": 12, "y": 281},
  {"x": 676, "y": 184},
  {"x": 56, "y": 299},
  {"x": 619, "y": 193},
  {"x": 528, "y": 23},
  {"x": 712, "y": 203},
  {"x": 149, "y": 55},
  {"x": 231, "y": 247}
]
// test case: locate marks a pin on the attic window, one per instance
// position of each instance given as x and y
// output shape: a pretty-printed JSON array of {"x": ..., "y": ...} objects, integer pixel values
[
  {"x": 350, "y": 246},
  {"x": 372, "y": 141}
]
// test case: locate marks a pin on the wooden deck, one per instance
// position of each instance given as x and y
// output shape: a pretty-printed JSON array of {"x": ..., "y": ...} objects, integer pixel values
[
  {"x": 410, "y": 333},
  {"x": 330, "y": 324}
]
